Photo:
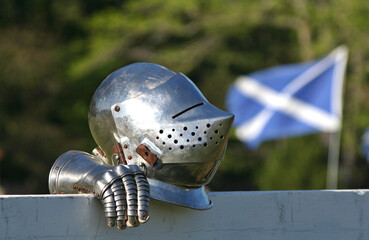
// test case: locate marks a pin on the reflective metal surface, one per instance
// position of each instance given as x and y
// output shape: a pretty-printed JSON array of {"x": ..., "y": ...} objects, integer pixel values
[
  {"x": 191, "y": 139},
  {"x": 147, "y": 104},
  {"x": 123, "y": 190},
  {"x": 196, "y": 198},
  {"x": 125, "y": 83},
  {"x": 80, "y": 172}
]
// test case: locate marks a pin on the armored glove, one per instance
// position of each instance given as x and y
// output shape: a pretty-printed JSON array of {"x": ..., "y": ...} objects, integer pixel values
[{"x": 123, "y": 189}]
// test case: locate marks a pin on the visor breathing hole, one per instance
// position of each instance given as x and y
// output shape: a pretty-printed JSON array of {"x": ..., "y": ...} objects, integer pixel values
[{"x": 199, "y": 138}]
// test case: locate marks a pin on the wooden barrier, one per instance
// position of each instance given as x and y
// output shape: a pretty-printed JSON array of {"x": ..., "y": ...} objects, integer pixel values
[{"x": 235, "y": 215}]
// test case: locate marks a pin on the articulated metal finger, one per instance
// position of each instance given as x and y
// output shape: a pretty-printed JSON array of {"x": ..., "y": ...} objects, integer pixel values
[
  {"x": 120, "y": 202},
  {"x": 109, "y": 207},
  {"x": 131, "y": 193},
  {"x": 143, "y": 195}
]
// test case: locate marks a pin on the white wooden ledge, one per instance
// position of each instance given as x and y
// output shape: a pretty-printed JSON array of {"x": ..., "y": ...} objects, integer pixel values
[{"x": 235, "y": 215}]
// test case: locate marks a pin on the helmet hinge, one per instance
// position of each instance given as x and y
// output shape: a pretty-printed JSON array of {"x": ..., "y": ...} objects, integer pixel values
[
  {"x": 118, "y": 149},
  {"x": 146, "y": 154}
]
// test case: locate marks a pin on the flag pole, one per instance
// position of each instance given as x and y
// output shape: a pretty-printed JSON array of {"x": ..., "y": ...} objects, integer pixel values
[
  {"x": 333, "y": 159},
  {"x": 335, "y": 137}
]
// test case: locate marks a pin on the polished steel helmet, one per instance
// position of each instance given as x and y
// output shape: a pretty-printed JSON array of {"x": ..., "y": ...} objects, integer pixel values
[{"x": 147, "y": 115}]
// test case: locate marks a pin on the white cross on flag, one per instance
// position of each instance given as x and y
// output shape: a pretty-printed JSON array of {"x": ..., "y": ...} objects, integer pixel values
[{"x": 289, "y": 100}]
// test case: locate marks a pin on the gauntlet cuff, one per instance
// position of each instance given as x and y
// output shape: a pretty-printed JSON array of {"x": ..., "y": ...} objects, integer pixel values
[{"x": 80, "y": 172}]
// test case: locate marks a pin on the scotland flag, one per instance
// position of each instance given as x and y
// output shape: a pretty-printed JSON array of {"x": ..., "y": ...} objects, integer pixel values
[{"x": 289, "y": 100}]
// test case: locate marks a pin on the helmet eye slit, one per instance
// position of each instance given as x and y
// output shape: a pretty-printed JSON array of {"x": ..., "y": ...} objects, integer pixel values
[{"x": 186, "y": 110}]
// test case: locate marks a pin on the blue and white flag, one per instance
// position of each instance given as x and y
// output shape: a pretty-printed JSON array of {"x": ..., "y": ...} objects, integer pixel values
[{"x": 289, "y": 100}]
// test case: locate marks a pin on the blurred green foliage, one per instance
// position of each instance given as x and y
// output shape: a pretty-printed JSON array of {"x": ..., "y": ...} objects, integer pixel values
[{"x": 54, "y": 54}]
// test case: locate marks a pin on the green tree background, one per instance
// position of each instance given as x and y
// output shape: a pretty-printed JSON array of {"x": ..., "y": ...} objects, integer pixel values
[{"x": 54, "y": 54}]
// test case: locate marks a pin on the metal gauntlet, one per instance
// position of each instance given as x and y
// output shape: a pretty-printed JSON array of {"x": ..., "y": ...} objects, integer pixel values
[{"x": 123, "y": 189}]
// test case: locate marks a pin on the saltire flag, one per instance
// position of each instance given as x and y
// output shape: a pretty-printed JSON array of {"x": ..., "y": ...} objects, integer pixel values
[
  {"x": 289, "y": 100},
  {"x": 365, "y": 144}
]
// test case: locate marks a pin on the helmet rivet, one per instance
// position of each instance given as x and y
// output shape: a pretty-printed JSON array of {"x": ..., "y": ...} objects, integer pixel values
[
  {"x": 129, "y": 157},
  {"x": 117, "y": 108}
]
